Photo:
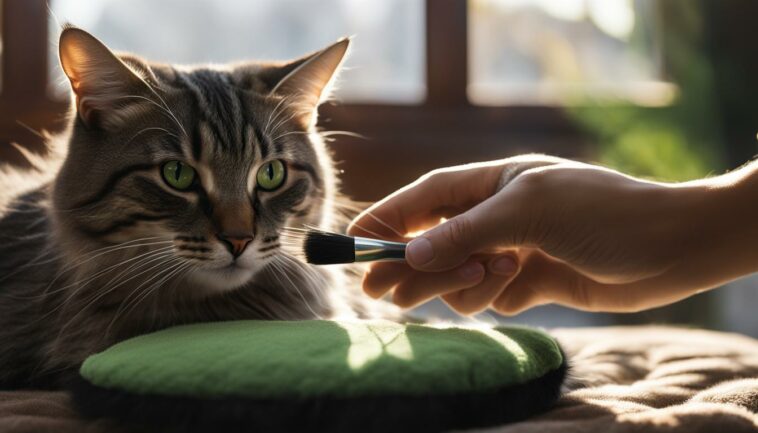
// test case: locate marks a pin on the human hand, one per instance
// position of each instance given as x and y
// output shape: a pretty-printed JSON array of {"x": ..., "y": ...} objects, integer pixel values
[{"x": 533, "y": 229}]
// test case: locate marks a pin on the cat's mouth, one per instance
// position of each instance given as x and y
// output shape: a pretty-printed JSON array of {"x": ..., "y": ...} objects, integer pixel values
[{"x": 225, "y": 277}]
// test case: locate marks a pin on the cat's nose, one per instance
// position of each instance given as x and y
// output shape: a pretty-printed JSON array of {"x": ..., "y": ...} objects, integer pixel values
[{"x": 236, "y": 244}]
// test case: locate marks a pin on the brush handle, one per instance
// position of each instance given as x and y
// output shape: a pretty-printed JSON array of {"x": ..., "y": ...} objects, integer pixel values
[{"x": 371, "y": 250}]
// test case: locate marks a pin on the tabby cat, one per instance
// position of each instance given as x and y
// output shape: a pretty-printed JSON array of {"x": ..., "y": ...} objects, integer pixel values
[{"x": 167, "y": 206}]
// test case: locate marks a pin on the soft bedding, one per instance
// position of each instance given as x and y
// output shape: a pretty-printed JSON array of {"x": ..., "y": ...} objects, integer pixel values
[{"x": 625, "y": 379}]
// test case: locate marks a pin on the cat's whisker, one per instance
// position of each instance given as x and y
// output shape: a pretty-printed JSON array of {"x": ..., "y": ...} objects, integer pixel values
[
  {"x": 125, "y": 304},
  {"x": 103, "y": 292},
  {"x": 89, "y": 301},
  {"x": 380, "y": 221},
  {"x": 331, "y": 133},
  {"x": 100, "y": 252},
  {"x": 118, "y": 247},
  {"x": 285, "y": 134},
  {"x": 157, "y": 257},
  {"x": 307, "y": 269},
  {"x": 79, "y": 286},
  {"x": 283, "y": 121},
  {"x": 91, "y": 256},
  {"x": 315, "y": 281},
  {"x": 173, "y": 270},
  {"x": 163, "y": 109},
  {"x": 154, "y": 128},
  {"x": 283, "y": 273},
  {"x": 275, "y": 113},
  {"x": 371, "y": 232},
  {"x": 144, "y": 259},
  {"x": 25, "y": 237},
  {"x": 168, "y": 109}
]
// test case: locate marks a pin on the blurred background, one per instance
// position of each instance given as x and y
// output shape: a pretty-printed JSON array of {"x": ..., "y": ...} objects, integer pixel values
[{"x": 664, "y": 89}]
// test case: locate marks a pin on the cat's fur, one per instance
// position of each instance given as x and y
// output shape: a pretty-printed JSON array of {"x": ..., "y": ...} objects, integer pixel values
[{"x": 96, "y": 247}]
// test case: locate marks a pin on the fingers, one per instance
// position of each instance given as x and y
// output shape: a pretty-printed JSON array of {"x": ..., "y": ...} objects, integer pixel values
[
  {"x": 468, "y": 289},
  {"x": 501, "y": 270},
  {"x": 383, "y": 276},
  {"x": 543, "y": 280},
  {"x": 510, "y": 285},
  {"x": 421, "y": 204},
  {"x": 412, "y": 288},
  {"x": 483, "y": 227},
  {"x": 422, "y": 287}
]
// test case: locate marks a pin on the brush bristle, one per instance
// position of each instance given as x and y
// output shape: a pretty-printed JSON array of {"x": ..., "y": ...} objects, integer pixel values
[{"x": 323, "y": 248}]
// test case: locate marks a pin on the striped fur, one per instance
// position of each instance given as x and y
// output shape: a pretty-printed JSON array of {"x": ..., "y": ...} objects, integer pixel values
[{"x": 102, "y": 248}]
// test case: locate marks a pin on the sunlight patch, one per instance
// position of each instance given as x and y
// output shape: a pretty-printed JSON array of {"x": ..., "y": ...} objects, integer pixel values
[{"x": 372, "y": 340}]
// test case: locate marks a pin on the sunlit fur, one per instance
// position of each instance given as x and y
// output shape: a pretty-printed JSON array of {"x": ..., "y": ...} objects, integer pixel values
[{"x": 102, "y": 248}]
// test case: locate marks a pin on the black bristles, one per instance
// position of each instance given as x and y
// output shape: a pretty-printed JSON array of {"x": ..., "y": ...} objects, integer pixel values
[{"x": 323, "y": 248}]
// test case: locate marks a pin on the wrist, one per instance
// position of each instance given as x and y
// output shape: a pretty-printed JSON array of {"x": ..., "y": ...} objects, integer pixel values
[
  {"x": 720, "y": 215},
  {"x": 735, "y": 195}
]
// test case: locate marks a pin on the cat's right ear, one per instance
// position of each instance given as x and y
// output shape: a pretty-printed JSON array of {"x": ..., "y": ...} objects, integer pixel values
[{"x": 107, "y": 91}]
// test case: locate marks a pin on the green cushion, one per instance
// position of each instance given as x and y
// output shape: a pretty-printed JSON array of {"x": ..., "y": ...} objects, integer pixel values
[{"x": 311, "y": 361}]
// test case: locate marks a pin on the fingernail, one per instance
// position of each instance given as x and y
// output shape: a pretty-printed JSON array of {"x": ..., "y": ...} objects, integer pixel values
[
  {"x": 472, "y": 271},
  {"x": 505, "y": 266},
  {"x": 419, "y": 251}
]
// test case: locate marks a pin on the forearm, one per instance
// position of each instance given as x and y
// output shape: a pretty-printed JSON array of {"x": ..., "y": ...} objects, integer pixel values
[
  {"x": 722, "y": 213},
  {"x": 740, "y": 195}
]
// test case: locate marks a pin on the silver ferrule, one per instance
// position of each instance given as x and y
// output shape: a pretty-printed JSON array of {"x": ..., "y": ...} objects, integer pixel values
[{"x": 369, "y": 250}]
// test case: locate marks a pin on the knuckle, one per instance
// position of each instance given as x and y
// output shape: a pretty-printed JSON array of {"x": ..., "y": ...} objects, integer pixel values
[
  {"x": 517, "y": 165},
  {"x": 459, "y": 231},
  {"x": 534, "y": 180},
  {"x": 431, "y": 176}
]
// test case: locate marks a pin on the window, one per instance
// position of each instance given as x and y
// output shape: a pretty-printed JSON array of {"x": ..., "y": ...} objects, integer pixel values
[
  {"x": 386, "y": 63},
  {"x": 558, "y": 52}
]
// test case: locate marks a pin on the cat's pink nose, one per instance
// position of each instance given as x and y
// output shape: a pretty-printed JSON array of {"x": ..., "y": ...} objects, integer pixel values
[{"x": 234, "y": 243}]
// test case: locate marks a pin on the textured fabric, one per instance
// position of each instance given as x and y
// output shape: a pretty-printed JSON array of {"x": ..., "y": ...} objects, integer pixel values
[
  {"x": 262, "y": 359},
  {"x": 653, "y": 379},
  {"x": 625, "y": 380}
]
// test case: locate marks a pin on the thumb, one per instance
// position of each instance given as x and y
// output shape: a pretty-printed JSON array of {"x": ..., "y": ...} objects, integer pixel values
[{"x": 449, "y": 244}]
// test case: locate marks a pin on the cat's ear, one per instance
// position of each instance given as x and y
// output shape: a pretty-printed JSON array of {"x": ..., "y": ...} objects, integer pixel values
[
  {"x": 308, "y": 80},
  {"x": 107, "y": 90}
]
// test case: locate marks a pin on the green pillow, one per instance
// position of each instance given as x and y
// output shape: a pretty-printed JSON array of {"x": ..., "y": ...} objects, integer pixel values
[{"x": 323, "y": 376}]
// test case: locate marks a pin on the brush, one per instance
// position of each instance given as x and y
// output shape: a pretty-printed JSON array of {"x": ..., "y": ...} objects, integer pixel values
[{"x": 325, "y": 248}]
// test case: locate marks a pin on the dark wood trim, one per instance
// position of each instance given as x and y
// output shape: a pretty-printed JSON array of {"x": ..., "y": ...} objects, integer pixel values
[
  {"x": 446, "y": 52},
  {"x": 24, "y": 107},
  {"x": 25, "y": 54},
  {"x": 399, "y": 143},
  {"x": 375, "y": 119}
]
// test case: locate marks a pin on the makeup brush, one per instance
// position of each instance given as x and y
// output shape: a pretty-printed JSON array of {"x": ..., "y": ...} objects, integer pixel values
[{"x": 324, "y": 248}]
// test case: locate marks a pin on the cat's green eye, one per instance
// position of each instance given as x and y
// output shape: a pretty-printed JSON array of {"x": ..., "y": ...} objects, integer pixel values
[
  {"x": 178, "y": 174},
  {"x": 271, "y": 175}
]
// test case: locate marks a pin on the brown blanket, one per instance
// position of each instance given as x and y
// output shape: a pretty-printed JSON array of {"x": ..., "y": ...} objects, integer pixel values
[{"x": 622, "y": 380}]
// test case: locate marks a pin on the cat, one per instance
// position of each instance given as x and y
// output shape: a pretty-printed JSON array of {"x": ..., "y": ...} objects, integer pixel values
[{"x": 168, "y": 205}]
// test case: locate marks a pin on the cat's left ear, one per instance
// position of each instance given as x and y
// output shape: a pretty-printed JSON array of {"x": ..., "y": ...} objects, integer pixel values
[
  {"x": 308, "y": 80},
  {"x": 107, "y": 90}
]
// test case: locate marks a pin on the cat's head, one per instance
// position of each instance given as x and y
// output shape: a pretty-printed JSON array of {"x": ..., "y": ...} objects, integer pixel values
[{"x": 207, "y": 162}]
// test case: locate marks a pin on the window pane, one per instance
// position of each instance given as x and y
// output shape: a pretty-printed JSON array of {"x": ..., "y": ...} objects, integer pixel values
[
  {"x": 563, "y": 51},
  {"x": 386, "y": 63}
]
